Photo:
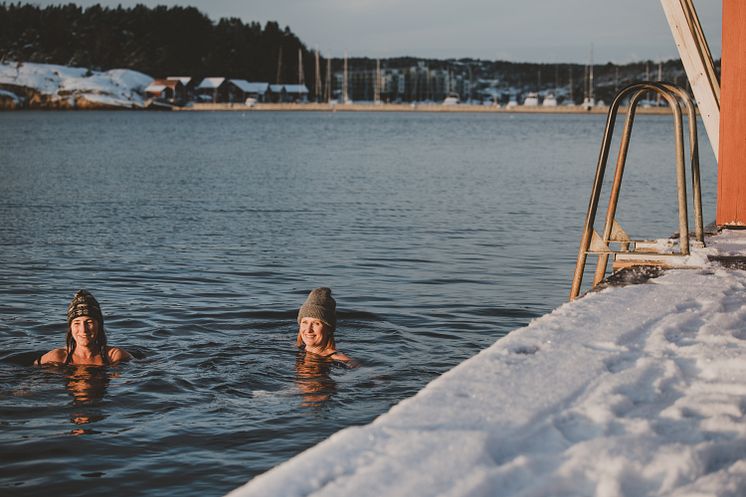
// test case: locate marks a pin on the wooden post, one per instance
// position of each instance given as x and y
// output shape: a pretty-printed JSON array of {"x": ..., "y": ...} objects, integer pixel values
[
  {"x": 731, "y": 202},
  {"x": 697, "y": 61}
]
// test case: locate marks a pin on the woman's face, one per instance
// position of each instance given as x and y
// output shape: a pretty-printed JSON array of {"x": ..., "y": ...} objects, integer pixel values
[
  {"x": 314, "y": 333},
  {"x": 84, "y": 330}
]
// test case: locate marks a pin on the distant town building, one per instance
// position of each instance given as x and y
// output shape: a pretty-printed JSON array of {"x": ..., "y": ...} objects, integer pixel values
[
  {"x": 213, "y": 90},
  {"x": 189, "y": 85},
  {"x": 287, "y": 93},
  {"x": 167, "y": 90},
  {"x": 296, "y": 93},
  {"x": 412, "y": 80},
  {"x": 239, "y": 90},
  {"x": 416, "y": 83}
]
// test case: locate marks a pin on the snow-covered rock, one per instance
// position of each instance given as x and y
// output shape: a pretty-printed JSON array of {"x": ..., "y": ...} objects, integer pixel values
[{"x": 54, "y": 86}]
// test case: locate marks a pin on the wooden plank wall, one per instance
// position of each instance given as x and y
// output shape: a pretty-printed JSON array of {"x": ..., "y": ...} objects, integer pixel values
[{"x": 731, "y": 201}]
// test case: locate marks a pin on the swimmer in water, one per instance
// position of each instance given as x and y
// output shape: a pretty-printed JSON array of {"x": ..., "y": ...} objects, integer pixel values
[
  {"x": 317, "y": 321},
  {"x": 86, "y": 338}
]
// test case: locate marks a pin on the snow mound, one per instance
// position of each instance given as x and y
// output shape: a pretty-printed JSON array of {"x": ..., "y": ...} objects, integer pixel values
[{"x": 52, "y": 85}]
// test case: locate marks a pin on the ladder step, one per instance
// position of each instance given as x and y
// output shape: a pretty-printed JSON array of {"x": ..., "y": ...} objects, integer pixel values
[{"x": 667, "y": 261}]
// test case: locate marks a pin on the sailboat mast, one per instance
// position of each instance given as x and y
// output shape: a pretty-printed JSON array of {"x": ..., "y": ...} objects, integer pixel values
[
  {"x": 328, "y": 95},
  {"x": 344, "y": 81},
  {"x": 428, "y": 86},
  {"x": 300, "y": 66},
  {"x": 660, "y": 78},
  {"x": 590, "y": 78},
  {"x": 586, "y": 97},
  {"x": 279, "y": 66},
  {"x": 377, "y": 93},
  {"x": 556, "y": 79},
  {"x": 317, "y": 83},
  {"x": 616, "y": 79}
]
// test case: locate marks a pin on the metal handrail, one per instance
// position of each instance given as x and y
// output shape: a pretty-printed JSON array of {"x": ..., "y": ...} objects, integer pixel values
[{"x": 672, "y": 94}]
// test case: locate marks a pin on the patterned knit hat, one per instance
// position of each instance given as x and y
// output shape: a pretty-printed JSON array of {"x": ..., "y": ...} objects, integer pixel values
[
  {"x": 84, "y": 304},
  {"x": 320, "y": 305}
]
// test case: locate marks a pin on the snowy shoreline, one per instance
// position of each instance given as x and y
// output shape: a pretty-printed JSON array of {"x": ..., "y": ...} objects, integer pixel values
[
  {"x": 26, "y": 85},
  {"x": 630, "y": 391},
  {"x": 35, "y": 86}
]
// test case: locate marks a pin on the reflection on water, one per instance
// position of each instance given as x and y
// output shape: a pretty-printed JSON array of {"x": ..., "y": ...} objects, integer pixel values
[
  {"x": 312, "y": 375},
  {"x": 87, "y": 385}
]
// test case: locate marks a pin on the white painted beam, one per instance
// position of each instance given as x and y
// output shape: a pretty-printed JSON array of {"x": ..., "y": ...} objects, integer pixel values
[{"x": 697, "y": 60}]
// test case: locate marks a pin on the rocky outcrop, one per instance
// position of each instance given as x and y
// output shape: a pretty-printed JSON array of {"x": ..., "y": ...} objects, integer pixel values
[{"x": 47, "y": 86}]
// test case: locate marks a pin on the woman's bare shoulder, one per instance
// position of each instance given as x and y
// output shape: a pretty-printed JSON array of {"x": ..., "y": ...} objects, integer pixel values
[
  {"x": 118, "y": 355},
  {"x": 56, "y": 356},
  {"x": 349, "y": 361}
]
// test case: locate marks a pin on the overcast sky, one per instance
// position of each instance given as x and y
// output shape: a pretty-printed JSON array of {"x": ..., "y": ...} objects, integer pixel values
[{"x": 515, "y": 30}]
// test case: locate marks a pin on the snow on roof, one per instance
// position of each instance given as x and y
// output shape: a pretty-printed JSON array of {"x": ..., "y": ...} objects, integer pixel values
[
  {"x": 155, "y": 88},
  {"x": 211, "y": 83},
  {"x": 278, "y": 88},
  {"x": 184, "y": 79},
  {"x": 248, "y": 87},
  {"x": 630, "y": 391},
  {"x": 296, "y": 89},
  {"x": 168, "y": 83}
]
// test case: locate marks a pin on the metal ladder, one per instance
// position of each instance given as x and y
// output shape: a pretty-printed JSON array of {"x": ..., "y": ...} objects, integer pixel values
[{"x": 615, "y": 240}]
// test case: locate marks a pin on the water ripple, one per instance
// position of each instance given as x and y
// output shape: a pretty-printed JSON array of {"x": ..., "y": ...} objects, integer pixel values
[{"x": 202, "y": 240}]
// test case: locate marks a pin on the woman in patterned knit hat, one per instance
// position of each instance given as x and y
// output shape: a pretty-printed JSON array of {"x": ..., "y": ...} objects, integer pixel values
[
  {"x": 317, "y": 321},
  {"x": 86, "y": 338}
]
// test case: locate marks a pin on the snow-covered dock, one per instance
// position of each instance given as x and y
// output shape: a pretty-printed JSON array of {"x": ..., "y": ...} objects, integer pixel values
[{"x": 631, "y": 391}]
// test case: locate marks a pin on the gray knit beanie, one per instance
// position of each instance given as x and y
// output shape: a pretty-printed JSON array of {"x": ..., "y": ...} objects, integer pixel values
[
  {"x": 320, "y": 305},
  {"x": 84, "y": 304}
]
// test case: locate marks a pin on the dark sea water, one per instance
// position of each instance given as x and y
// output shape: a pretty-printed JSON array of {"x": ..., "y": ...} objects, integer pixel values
[{"x": 201, "y": 235}]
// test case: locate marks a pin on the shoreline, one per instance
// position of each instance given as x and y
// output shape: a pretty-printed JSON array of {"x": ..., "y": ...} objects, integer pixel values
[
  {"x": 83, "y": 104},
  {"x": 463, "y": 108}
]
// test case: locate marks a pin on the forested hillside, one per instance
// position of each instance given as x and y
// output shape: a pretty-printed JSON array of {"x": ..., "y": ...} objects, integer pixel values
[{"x": 159, "y": 41}]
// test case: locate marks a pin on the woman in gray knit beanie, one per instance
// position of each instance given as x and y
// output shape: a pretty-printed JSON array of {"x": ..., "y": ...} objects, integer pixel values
[
  {"x": 86, "y": 337},
  {"x": 317, "y": 321}
]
